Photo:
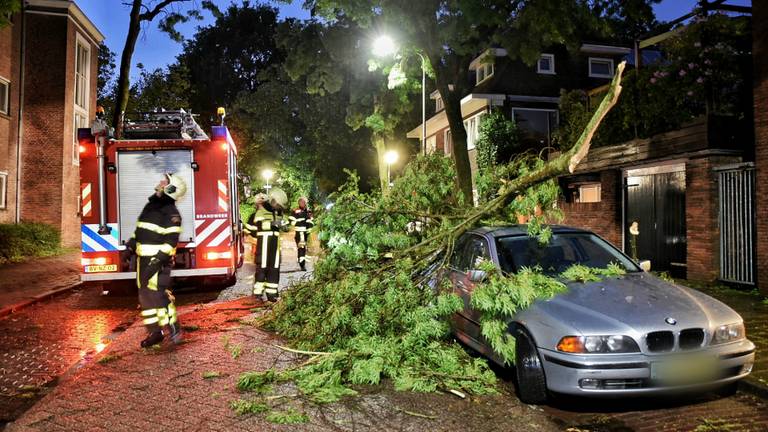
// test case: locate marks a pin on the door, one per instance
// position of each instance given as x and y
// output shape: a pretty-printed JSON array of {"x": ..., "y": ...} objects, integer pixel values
[
  {"x": 469, "y": 251},
  {"x": 656, "y": 201}
]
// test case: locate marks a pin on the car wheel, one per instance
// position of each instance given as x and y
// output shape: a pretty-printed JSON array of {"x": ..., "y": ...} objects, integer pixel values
[{"x": 531, "y": 383}]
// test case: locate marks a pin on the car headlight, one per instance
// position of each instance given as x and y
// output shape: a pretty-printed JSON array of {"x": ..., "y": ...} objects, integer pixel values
[
  {"x": 597, "y": 344},
  {"x": 729, "y": 333}
]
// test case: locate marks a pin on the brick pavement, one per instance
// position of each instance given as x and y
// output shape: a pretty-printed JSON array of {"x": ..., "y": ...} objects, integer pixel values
[{"x": 22, "y": 282}]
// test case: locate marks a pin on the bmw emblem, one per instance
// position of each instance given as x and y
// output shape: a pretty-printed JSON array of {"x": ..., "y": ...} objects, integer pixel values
[{"x": 670, "y": 321}]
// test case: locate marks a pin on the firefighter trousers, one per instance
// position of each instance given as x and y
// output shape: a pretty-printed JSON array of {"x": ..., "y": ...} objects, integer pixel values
[
  {"x": 301, "y": 246},
  {"x": 157, "y": 308},
  {"x": 267, "y": 265}
]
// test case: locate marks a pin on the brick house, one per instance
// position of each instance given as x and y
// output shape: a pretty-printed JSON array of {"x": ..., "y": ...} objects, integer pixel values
[
  {"x": 670, "y": 183},
  {"x": 48, "y": 69},
  {"x": 760, "y": 91}
]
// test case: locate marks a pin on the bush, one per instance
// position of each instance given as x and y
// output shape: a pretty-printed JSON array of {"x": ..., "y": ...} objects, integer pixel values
[{"x": 27, "y": 239}]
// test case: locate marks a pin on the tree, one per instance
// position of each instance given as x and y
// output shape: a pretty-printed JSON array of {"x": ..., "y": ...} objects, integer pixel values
[
  {"x": 451, "y": 33},
  {"x": 105, "y": 84},
  {"x": 146, "y": 11},
  {"x": 161, "y": 88},
  {"x": 8, "y": 7}
]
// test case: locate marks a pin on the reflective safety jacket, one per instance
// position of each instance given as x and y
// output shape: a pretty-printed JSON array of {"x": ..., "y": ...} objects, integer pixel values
[
  {"x": 302, "y": 220},
  {"x": 157, "y": 230},
  {"x": 264, "y": 222}
]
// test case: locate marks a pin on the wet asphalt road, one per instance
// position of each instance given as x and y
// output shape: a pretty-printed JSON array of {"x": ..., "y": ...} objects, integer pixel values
[{"x": 41, "y": 343}]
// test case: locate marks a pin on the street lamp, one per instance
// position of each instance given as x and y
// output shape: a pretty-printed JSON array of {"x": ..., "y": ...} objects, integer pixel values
[
  {"x": 384, "y": 46},
  {"x": 267, "y": 175},
  {"x": 390, "y": 157}
]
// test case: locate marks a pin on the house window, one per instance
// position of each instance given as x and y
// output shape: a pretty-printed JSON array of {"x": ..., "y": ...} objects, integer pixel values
[
  {"x": 483, "y": 72},
  {"x": 431, "y": 144},
  {"x": 439, "y": 106},
  {"x": 3, "y": 189},
  {"x": 472, "y": 126},
  {"x": 588, "y": 193},
  {"x": 546, "y": 64},
  {"x": 5, "y": 96},
  {"x": 600, "y": 67},
  {"x": 448, "y": 143},
  {"x": 535, "y": 125},
  {"x": 82, "y": 93}
]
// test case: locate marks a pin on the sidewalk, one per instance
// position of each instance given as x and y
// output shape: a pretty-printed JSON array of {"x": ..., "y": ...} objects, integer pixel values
[
  {"x": 191, "y": 386},
  {"x": 25, "y": 281},
  {"x": 751, "y": 306}
]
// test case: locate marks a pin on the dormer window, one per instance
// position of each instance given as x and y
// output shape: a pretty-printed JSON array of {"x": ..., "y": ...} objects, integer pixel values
[
  {"x": 439, "y": 106},
  {"x": 600, "y": 67},
  {"x": 546, "y": 64},
  {"x": 483, "y": 72}
]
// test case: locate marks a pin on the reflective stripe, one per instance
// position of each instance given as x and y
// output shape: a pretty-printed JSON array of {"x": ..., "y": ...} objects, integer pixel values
[
  {"x": 301, "y": 229},
  {"x": 264, "y": 253},
  {"x": 152, "y": 249},
  {"x": 258, "y": 288},
  {"x": 152, "y": 283},
  {"x": 157, "y": 228},
  {"x": 277, "y": 255},
  {"x": 152, "y": 320},
  {"x": 302, "y": 259},
  {"x": 266, "y": 233},
  {"x": 267, "y": 225},
  {"x": 149, "y": 312},
  {"x": 250, "y": 227}
]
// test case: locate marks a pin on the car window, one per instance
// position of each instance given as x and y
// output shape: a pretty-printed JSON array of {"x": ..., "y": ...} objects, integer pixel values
[
  {"x": 458, "y": 259},
  {"x": 477, "y": 251},
  {"x": 561, "y": 252}
]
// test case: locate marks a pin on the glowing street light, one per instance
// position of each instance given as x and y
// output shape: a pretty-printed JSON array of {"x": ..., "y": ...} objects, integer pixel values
[
  {"x": 390, "y": 157},
  {"x": 384, "y": 46},
  {"x": 267, "y": 175}
]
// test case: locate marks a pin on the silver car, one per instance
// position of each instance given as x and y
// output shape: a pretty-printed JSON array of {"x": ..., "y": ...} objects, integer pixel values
[{"x": 627, "y": 336}]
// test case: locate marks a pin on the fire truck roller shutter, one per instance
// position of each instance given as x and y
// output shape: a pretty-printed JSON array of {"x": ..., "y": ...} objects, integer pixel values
[{"x": 138, "y": 174}]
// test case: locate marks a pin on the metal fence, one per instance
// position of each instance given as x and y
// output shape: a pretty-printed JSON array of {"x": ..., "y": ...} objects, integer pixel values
[{"x": 737, "y": 223}]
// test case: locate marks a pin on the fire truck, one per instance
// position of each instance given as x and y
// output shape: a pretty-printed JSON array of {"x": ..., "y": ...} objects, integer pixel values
[{"x": 117, "y": 176}]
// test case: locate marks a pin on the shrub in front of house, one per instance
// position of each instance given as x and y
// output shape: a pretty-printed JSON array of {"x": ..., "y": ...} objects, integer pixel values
[{"x": 28, "y": 239}]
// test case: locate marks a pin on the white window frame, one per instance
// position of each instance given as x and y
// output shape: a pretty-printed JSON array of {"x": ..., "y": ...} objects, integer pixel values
[
  {"x": 483, "y": 72},
  {"x": 551, "y": 58},
  {"x": 85, "y": 81},
  {"x": 431, "y": 144},
  {"x": 3, "y": 190},
  {"x": 472, "y": 128},
  {"x": 447, "y": 137},
  {"x": 595, "y": 185},
  {"x": 439, "y": 105},
  {"x": 601, "y": 59},
  {"x": 5, "y": 104}
]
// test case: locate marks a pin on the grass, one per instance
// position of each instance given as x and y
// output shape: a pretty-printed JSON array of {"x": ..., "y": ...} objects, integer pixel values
[
  {"x": 28, "y": 239},
  {"x": 716, "y": 425},
  {"x": 234, "y": 349},
  {"x": 289, "y": 416}
]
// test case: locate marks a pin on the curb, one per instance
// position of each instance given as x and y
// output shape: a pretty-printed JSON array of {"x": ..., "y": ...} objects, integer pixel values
[
  {"x": 38, "y": 298},
  {"x": 753, "y": 387}
]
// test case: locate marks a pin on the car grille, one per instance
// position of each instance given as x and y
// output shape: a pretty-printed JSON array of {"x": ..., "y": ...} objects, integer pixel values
[
  {"x": 660, "y": 341},
  {"x": 691, "y": 338}
]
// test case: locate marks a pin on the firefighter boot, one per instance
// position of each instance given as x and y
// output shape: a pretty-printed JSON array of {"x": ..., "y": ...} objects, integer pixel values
[
  {"x": 153, "y": 338},
  {"x": 303, "y": 266}
]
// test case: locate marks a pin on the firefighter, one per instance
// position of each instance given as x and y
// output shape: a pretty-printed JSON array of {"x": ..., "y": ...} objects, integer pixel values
[
  {"x": 154, "y": 242},
  {"x": 265, "y": 225},
  {"x": 302, "y": 221}
]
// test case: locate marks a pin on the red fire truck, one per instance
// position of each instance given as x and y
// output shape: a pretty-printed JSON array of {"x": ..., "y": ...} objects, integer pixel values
[{"x": 117, "y": 176}]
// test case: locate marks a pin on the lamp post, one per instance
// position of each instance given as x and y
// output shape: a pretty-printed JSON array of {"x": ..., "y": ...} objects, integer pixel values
[
  {"x": 267, "y": 175},
  {"x": 384, "y": 46},
  {"x": 390, "y": 157}
]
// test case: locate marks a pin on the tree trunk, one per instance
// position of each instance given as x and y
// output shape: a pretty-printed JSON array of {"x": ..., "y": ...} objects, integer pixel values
[
  {"x": 459, "y": 140},
  {"x": 378, "y": 141},
  {"x": 123, "y": 80}
]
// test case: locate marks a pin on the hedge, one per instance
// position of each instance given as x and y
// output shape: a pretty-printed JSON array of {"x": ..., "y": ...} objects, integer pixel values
[{"x": 28, "y": 239}]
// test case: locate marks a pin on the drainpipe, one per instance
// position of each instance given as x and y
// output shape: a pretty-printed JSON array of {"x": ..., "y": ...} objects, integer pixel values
[
  {"x": 101, "y": 158},
  {"x": 20, "y": 127}
]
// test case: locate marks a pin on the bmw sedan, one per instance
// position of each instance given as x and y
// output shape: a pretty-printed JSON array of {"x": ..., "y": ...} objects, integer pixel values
[{"x": 622, "y": 336}]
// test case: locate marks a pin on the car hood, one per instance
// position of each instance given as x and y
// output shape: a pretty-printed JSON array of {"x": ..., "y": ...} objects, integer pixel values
[{"x": 635, "y": 303}]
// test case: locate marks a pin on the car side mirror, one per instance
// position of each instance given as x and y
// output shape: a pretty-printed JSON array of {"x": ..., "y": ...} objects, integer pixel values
[
  {"x": 477, "y": 275},
  {"x": 645, "y": 265}
]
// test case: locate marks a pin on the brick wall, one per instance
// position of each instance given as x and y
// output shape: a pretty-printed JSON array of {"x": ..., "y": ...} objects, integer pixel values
[
  {"x": 604, "y": 217},
  {"x": 9, "y": 69},
  {"x": 760, "y": 57}
]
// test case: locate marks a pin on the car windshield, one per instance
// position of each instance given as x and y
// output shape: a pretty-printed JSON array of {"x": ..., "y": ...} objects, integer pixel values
[{"x": 563, "y": 251}]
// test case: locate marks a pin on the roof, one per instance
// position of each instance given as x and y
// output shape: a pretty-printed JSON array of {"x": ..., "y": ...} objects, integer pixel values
[
  {"x": 70, "y": 8},
  {"x": 518, "y": 229}
]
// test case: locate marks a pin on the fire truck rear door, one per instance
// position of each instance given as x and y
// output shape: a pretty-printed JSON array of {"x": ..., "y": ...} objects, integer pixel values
[{"x": 139, "y": 172}]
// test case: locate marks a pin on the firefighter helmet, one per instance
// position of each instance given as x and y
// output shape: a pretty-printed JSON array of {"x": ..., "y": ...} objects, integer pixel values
[
  {"x": 176, "y": 187},
  {"x": 278, "y": 198}
]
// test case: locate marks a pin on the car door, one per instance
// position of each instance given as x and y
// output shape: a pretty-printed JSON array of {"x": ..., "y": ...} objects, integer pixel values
[{"x": 470, "y": 250}]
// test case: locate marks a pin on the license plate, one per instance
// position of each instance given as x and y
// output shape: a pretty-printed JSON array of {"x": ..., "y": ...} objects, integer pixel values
[
  {"x": 684, "y": 370},
  {"x": 100, "y": 268}
]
